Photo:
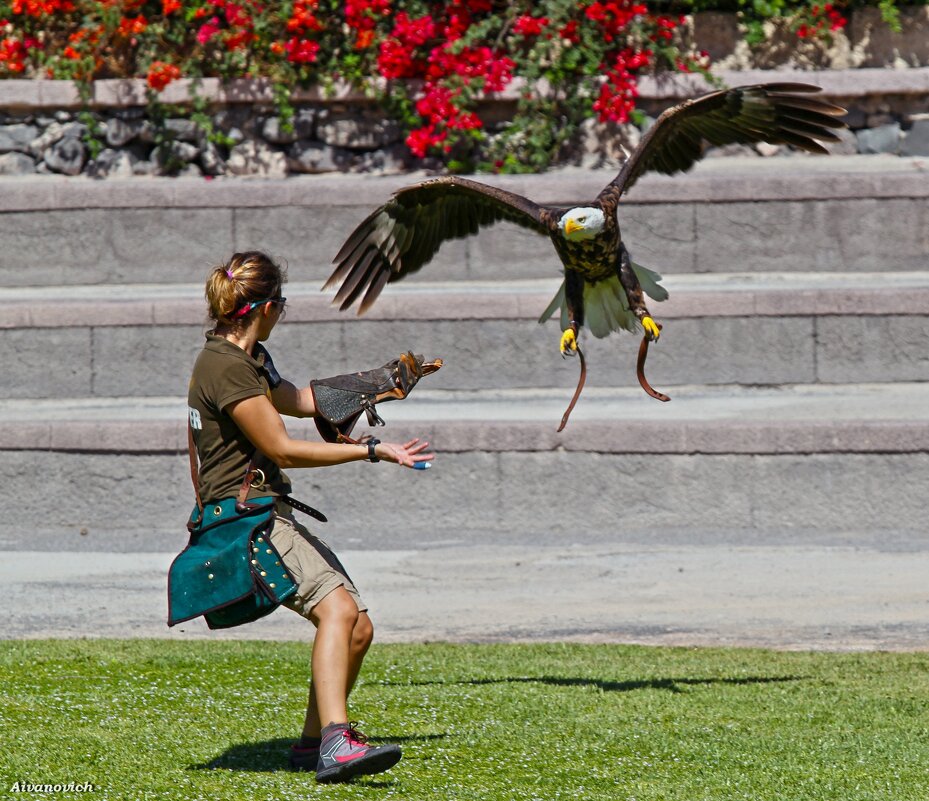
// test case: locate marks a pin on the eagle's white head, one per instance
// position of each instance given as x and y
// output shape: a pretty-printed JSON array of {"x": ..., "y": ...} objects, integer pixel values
[{"x": 582, "y": 223}]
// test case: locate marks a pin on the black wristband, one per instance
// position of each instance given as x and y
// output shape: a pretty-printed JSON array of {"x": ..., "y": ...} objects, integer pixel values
[{"x": 372, "y": 444}]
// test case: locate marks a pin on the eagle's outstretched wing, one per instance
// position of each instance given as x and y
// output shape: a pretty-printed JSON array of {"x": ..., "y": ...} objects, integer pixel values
[
  {"x": 405, "y": 233},
  {"x": 768, "y": 112}
]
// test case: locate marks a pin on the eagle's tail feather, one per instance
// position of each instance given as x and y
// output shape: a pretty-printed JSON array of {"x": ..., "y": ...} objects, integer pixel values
[{"x": 606, "y": 307}]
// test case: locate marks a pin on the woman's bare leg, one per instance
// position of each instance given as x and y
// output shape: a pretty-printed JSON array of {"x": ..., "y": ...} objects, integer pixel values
[{"x": 342, "y": 639}]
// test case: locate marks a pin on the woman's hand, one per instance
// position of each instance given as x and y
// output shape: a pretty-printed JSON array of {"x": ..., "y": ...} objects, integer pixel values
[{"x": 409, "y": 454}]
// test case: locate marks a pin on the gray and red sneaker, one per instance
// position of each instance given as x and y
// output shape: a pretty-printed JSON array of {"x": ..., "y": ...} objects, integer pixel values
[{"x": 343, "y": 754}]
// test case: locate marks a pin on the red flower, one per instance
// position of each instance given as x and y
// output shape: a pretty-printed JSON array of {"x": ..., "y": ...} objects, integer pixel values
[
  {"x": 529, "y": 26},
  {"x": 413, "y": 32},
  {"x": 618, "y": 93},
  {"x": 395, "y": 60},
  {"x": 421, "y": 140},
  {"x": 12, "y": 55},
  {"x": 168, "y": 7},
  {"x": 208, "y": 30},
  {"x": 569, "y": 32},
  {"x": 42, "y": 8},
  {"x": 614, "y": 15},
  {"x": 132, "y": 27},
  {"x": 362, "y": 14},
  {"x": 301, "y": 51},
  {"x": 160, "y": 74}
]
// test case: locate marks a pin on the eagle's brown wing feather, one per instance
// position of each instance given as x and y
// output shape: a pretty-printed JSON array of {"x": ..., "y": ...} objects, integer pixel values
[
  {"x": 772, "y": 112},
  {"x": 406, "y": 232}
]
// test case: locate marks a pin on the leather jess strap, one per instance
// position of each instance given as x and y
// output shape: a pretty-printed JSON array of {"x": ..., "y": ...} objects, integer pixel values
[{"x": 251, "y": 473}]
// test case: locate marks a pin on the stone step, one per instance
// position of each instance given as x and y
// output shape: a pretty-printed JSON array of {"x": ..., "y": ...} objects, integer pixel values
[
  {"x": 796, "y": 214},
  {"x": 716, "y": 464},
  {"x": 750, "y": 329}
]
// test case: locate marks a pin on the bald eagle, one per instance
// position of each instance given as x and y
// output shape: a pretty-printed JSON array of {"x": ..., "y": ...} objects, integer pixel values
[{"x": 603, "y": 288}]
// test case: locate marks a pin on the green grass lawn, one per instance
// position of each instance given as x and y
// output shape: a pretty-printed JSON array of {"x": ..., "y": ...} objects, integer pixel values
[{"x": 213, "y": 720}]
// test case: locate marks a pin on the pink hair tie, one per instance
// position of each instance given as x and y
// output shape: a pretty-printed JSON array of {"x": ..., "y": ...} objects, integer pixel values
[{"x": 229, "y": 273}]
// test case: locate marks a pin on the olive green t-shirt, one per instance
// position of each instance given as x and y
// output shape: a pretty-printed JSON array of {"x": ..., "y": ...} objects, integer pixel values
[{"x": 222, "y": 375}]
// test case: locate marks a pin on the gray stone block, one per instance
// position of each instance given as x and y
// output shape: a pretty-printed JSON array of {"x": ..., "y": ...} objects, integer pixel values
[
  {"x": 17, "y": 137},
  {"x": 67, "y": 156},
  {"x": 144, "y": 361},
  {"x": 91, "y": 246},
  {"x": 351, "y": 130},
  {"x": 916, "y": 142},
  {"x": 887, "y": 234},
  {"x": 880, "y": 139},
  {"x": 257, "y": 159},
  {"x": 55, "y": 247},
  {"x": 316, "y": 157},
  {"x": 16, "y": 163},
  {"x": 46, "y": 362},
  {"x": 504, "y": 248},
  {"x": 876, "y": 349},
  {"x": 167, "y": 245},
  {"x": 661, "y": 236},
  {"x": 484, "y": 498}
]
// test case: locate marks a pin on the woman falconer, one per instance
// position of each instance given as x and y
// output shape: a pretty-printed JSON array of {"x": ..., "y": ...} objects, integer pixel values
[{"x": 236, "y": 400}]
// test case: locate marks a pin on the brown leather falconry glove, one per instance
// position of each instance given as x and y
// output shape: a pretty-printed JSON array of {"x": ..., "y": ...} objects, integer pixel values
[{"x": 340, "y": 400}]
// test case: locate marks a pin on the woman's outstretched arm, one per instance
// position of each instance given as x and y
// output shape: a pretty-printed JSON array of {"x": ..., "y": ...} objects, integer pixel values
[{"x": 261, "y": 422}]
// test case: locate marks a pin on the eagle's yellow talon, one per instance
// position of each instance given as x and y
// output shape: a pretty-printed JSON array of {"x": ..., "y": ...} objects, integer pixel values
[
  {"x": 568, "y": 342},
  {"x": 652, "y": 331}
]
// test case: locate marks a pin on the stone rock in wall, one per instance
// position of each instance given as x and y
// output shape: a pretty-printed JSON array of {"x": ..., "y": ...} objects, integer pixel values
[
  {"x": 145, "y": 167},
  {"x": 175, "y": 155},
  {"x": 42, "y": 142},
  {"x": 847, "y": 144},
  {"x": 16, "y": 163},
  {"x": 357, "y": 131},
  {"x": 316, "y": 157},
  {"x": 121, "y": 132},
  {"x": 17, "y": 137},
  {"x": 302, "y": 128},
  {"x": 184, "y": 130},
  {"x": 883, "y": 139},
  {"x": 236, "y": 117},
  {"x": 211, "y": 160},
  {"x": 66, "y": 156},
  {"x": 917, "y": 140},
  {"x": 391, "y": 160},
  {"x": 258, "y": 159},
  {"x": 273, "y": 131},
  {"x": 112, "y": 163}
]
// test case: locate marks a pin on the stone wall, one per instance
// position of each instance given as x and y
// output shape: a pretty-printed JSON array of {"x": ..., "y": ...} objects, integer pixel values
[{"x": 45, "y": 130}]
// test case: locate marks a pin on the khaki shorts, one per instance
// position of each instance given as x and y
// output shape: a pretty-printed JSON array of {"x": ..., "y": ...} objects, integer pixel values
[{"x": 312, "y": 564}]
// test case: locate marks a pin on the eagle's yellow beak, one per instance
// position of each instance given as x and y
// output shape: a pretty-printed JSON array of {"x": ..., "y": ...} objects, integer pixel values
[{"x": 571, "y": 226}]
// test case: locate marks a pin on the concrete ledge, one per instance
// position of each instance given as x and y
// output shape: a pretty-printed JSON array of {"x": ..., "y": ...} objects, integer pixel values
[
  {"x": 120, "y": 93},
  {"x": 848, "y": 419},
  {"x": 750, "y": 333},
  {"x": 734, "y": 179},
  {"x": 778, "y": 295}
]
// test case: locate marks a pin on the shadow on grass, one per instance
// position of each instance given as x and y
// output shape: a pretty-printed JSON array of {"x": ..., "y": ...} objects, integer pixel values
[
  {"x": 674, "y": 685},
  {"x": 270, "y": 756}
]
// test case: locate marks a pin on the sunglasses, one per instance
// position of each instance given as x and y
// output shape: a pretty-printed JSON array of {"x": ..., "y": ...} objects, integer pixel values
[{"x": 256, "y": 303}]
